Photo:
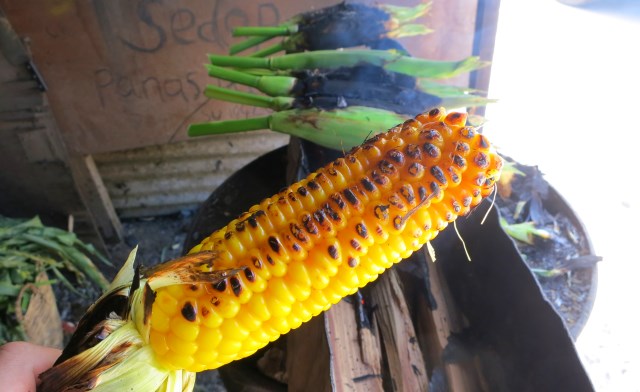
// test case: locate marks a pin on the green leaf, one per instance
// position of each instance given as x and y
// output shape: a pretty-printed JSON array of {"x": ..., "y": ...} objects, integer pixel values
[
  {"x": 9, "y": 290},
  {"x": 64, "y": 280},
  {"x": 330, "y": 59},
  {"x": 84, "y": 264},
  {"x": 66, "y": 238}
]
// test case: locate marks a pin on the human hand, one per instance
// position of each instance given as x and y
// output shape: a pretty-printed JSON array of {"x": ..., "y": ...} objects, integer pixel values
[{"x": 21, "y": 363}]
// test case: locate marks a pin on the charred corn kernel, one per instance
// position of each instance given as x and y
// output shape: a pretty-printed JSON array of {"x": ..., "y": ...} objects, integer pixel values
[
  {"x": 320, "y": 239},
  {"x": 226, "y": 306},
  {"x": 253, "y": 282},
  {"x": 210, "y": 318}
]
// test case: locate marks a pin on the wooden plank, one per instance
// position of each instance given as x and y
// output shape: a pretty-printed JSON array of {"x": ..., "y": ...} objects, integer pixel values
[
  {"x": 446, "y": 320},
  {"x": 356, "y": 353},
  {"x": 127, "y": 74},
  {"x": 308, "y": 358},
  {"x": 407, "y": 369},
  {"x": 95, "y": 197}
]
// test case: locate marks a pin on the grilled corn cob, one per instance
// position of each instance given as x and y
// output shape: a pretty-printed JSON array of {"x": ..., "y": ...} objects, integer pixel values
[
  {"x": 297, "y": 253},
  {"x": 321, "y": 239}
]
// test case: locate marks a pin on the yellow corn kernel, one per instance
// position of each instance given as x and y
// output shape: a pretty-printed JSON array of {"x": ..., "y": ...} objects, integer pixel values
[
  {"x": 248, "y": 320},
  {"x": 298, "y": 282},
  {"x": 209, "y": 316},
  {"x": 229, "y": 347},
  {"x": 299, "y": 309},
  {"x": 316, "y": 302},
  {"x": 184, "y": 329},
  {"x": 180, "y": 346},
  {"x": 251, "y": 344},
  {"x": 226, "y": 306},
  {"x": 158, "y": 341},
  {"x": 160, "y": 321},
  {"x": 258, "y": 307},
  {"x": 277, "y": 307},
  {"x": 311, "y": 244},
  {"x": 293, "y": 321},
  {"x": 180, "y": 361},
  {"x": 261, "y": 335},
  {"x": 231, "y": 328},
  {"x": 207, "y": 357},
  {"x": 208, "y": 340},
  {"x": 280, "y": 323}
]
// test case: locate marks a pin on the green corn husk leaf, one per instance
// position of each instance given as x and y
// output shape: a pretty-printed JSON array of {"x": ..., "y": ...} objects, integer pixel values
[
  {"x": 394, "y": 24},
  {"x": 288, "y": 45},
  {"x": 248, "y": 43},
  {"x": 269, "y": 31},
  {"x": 406, "y": 14},
  {"x": 331, "y": 59},
  {"x": 272, "y": 85},
  {"x": 9, "y": 290},
  {"x": 11, "y": 259},
  {"x": 91, "y": 250},
  {"x": 444, "y": 90},
  {"x": 28, "y": 248},
  {"x": 339, "y": 129},
  {"x": 548, "y": 273},
  {"x": 524, "y": 232},
  {"x": 77, "y": 261},
  {"x": 511, "y": 167},
  {"x": 10, "y": 228},
  {"x": 65, "y": 282},
  {"x": 44, "y": 242},
  {"x": 225, "y": 94},
  {"x": 84, "y": 264},
  {"x": 465, "y": 101},
  {"x": 409, "y": 30}
]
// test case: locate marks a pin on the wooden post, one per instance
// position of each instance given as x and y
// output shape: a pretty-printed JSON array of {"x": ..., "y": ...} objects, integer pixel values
[{"x": 95, "y": 197}]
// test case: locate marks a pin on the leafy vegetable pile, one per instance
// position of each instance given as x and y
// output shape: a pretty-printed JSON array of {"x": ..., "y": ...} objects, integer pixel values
[{"x": 28, "y": 248}]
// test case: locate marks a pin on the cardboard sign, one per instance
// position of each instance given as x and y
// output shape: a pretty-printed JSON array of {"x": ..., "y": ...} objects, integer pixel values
[{"x": 126, "y": 74}]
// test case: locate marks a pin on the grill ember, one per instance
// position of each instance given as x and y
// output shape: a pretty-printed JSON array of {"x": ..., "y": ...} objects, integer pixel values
[{"x": 302, "y": 250}]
